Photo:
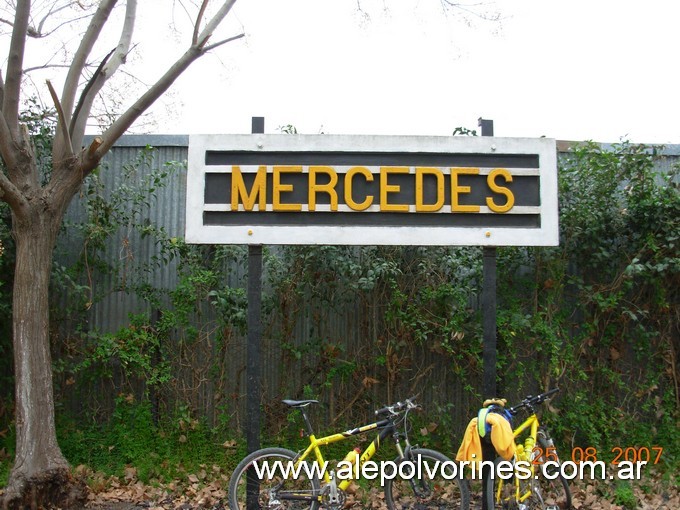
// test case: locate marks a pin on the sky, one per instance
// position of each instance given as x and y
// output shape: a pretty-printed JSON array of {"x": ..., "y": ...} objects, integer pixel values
[{"x": 602, "y": 70}]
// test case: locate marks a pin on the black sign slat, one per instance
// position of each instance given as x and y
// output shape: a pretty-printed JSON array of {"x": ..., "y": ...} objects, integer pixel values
[
  {"x": 372, "y": 219},
  {"x": 370, "y": 159}
]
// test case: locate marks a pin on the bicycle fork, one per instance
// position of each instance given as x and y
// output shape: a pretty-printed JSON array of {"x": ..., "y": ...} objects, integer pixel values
[
  {"x": 421, "y": 489},
  {"x": 333, "y": 496}
]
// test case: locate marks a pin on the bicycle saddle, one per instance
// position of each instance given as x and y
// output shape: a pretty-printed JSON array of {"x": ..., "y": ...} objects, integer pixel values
[{"x": 299, "y": 403}]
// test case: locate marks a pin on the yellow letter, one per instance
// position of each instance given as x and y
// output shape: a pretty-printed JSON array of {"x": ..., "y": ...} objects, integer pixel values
[
  {"x": 239, "y": 191},
  {"x": 349, "y": 200},
  {"x": 385, "y": 188},
  {"x": 510, "y": 198},
  {"x": 329, "y": 188},
  {"x": 420, "y": 172},
  {"x": 456, "y": 189},
  {"x": 282, "y": 188}
]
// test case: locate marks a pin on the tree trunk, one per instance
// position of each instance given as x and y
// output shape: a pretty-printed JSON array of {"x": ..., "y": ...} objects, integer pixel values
[{"x": 40, "y": 475}]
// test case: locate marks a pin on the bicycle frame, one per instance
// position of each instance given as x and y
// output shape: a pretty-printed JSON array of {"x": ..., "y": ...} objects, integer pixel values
[
  {"x": 525, "y": 454},
  {"x": 529, "y": 483},
  {"x": 315, "y": 444},
  {"x": 268, "y": 477}
]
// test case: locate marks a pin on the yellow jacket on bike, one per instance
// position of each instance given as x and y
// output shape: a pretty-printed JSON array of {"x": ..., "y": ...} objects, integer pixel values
[{"x": 502, "y": 439}]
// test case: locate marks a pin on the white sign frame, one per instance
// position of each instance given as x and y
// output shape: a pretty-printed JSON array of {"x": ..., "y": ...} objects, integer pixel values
[{"x": 545, "y": 235}]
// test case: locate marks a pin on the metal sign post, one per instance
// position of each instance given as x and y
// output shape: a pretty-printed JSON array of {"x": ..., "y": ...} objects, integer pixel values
[
  {"x": 253, "y": 352},
  {"x": 254, "y": 337},
  {"x": 489, "y": 354}
]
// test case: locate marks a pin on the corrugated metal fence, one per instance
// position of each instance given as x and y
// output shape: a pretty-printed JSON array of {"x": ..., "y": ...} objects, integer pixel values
[{"x": 210, "y": 375}]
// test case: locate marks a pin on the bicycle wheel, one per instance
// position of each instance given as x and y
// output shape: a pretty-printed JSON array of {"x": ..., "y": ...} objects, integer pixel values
[
  {"x": 498, "y": 493},
  {"x": 265, "y": 479},
  {"x": 430, "y": 481},
  {"x": 550, "y": 490}
]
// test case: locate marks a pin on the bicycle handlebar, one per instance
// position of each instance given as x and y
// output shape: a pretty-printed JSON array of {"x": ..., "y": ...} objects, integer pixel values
[
  {"x": 397, "y": 408},
  {"x": 531, "y": 401}
]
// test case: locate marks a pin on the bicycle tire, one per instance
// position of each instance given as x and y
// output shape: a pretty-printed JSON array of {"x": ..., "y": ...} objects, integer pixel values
[
  {"x": 447, "y": 490},
  {"x": 237, "y": 495},
  {"x": 553, "y": 491},
  {"x": 547, "y": 493},
  {"x": 490, "y": 488}
]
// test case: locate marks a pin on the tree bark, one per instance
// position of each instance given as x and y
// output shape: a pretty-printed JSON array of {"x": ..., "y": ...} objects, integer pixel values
[{"x": 40, "y": 474}]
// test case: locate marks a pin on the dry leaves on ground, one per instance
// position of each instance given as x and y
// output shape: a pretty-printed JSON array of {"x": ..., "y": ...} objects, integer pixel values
[{"x": 207, "y": 490}]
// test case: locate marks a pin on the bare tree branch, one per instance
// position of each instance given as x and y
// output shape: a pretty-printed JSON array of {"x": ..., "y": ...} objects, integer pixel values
[
  {"x": 85, "y": 94},
  {"x": 8, "y": 191},
  {"x": 12, "y": 92},
  {"x": 214, "y": 23},
  {"x": 10, "y": 194},
  {"x": 53, "y": 10},
  {"x": 6, "y": 22},
  {"x": 60, "y": 113},
  {"x": 80, "y": 58},
  {"x": 73, "y": 76},
  {"x": 473, "y": 9},
  {"x": 44, "y": 66},
  {"x": 122, "y": 123},
  {"x": 6, "y": 144},
  {"x": 39, "y": 34},
  {"x": 197, "y": 25},
  {"x": 224, "y": 41},
  {"x": 118, "y": 128},
  {"x": 110, "y": 66}
]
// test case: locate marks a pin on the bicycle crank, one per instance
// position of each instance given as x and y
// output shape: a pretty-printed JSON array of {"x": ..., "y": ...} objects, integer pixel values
[{"x": 335, "y": 502}]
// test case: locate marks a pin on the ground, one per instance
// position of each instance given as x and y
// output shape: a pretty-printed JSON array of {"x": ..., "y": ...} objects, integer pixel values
[
  {"x": 206, "y": 490},
  {"x": 209, "y": 495}
]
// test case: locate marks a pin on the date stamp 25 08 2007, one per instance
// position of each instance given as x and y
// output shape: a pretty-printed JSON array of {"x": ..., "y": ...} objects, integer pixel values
[{"x": 588, "y": 462}]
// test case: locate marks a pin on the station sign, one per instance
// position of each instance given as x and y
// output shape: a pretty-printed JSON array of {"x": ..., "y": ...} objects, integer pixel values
[{"x": 371, "y": 190}]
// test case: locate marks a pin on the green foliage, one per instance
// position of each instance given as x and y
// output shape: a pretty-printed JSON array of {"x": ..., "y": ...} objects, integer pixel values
[
  {"x": 625, "y": 496},
  {"x": 6, "y": 281},
  {"x": 287, "y": 129},
  {"x": 173, "y": 327},
  {"x": 417, "y": 298},
  {"x": 7, "y": 442},
  {"x": 41, "y": 124},
  {"x": 135, "y": 347},
  {"x": 601, "y": 311},
  {"x": 179, "y": 444},
  {"x": 463, "y": 131}
]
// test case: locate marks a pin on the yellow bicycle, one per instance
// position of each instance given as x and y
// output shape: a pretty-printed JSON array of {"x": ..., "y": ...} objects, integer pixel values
[
  {"x": 536, "y": 482},
  {"x": 278, "y": 478}
]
